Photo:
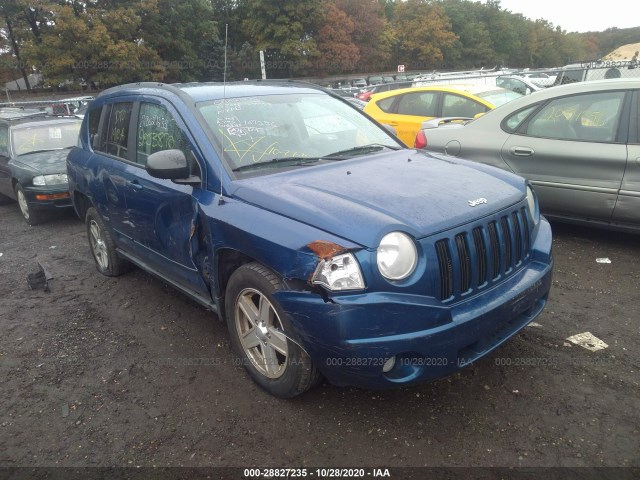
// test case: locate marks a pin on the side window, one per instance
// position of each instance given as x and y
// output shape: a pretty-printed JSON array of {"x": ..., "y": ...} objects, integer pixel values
[
  {"x": 457, "y": 106},
  {"x": 117, "y": 135},
  {"x": 4, "y": 141},
  {"x": 422, "y": 104},
  {"x": 158, "y": 130},
  {"x": 512, "y": 123},
  {"x": 94, "y": 123},
  {"x": 385, "y": 104},
  {"x": 591, "y": 117}
]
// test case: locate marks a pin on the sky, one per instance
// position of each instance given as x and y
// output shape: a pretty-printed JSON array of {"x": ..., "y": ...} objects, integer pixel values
[{"x": 578, "y": 15}]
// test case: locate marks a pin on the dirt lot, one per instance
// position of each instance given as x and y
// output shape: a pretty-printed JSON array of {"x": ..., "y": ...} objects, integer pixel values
[{"x": 128, "y": 372}]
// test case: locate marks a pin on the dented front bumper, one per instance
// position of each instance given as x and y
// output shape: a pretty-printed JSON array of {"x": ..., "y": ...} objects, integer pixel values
[{"x": 351, "y": 338}]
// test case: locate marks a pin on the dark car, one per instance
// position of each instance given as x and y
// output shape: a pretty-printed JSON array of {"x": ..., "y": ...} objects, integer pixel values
[
  {"x": 33, "y": 152},
  {"x": 578, "y": 144},
  {"x": 328, "y": 247}
]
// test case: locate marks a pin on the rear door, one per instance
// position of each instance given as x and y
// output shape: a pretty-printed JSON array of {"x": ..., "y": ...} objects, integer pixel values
[
  {"x": 5, "y": 171},
  {"x": 574, "y": 151},
  {"x": 406, "y": 112},
  {"x": 112, "y": 151},
  {"x": 627, "y": 209}
]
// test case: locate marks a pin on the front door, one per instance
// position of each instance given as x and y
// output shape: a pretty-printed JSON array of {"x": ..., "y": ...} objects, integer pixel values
[
  {"x": 572, "y": 152},
  {"x": 162, "y": 211}
]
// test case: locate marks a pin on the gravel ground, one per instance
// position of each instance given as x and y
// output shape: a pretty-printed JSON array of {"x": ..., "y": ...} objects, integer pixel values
[{"x": 128, "y": 372}]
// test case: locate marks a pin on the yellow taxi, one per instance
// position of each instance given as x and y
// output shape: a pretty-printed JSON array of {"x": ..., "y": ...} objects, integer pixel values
[{"x": 405, "y": 109}]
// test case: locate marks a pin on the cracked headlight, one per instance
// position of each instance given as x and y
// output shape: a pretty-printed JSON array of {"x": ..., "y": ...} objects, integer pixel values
[
  {"x": 341, "y": 272},
  {"x": 397, "y": 256},
  {"x": 57, "y": 179}
]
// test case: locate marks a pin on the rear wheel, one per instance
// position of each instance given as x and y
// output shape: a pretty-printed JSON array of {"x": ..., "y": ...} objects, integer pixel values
[
  {"x": 31, "y": 216},
  {"x": 103, "y": 248},
  {"x": 261, "y": 335}
]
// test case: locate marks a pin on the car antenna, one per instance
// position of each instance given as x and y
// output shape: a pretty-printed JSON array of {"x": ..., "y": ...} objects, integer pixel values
[{"x": 224, "y": 108}]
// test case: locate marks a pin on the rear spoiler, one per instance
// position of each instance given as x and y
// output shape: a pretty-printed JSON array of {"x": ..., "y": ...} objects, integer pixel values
[{"x": 440, "y": 121}]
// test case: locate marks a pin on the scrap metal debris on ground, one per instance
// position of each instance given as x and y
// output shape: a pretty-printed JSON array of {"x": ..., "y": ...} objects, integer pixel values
[
  {"x": 588, "y": 340},
  {"x": 39, "y": 278}
]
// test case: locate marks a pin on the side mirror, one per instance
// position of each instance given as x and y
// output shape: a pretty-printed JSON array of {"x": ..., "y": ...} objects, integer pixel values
[{"x": 168, "y": 164}]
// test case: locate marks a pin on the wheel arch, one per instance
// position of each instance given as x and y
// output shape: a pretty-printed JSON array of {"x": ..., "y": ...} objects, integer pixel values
[{"x": 81, "y": 204}]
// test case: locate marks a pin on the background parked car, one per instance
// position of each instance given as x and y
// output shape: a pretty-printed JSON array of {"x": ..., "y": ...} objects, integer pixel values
[
  {"x": 407, "y": 108},
  {"x": 541, "y": 79},
  {"x": 383, "y": 87},
  {"x": 33, "y": 152},
  {"x": 517, "y": 84},
  {"x": 578, "y": 144}
]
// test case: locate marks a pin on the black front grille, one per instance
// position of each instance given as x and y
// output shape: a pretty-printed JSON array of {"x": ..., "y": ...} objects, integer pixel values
[
  {"x": 446, "y": 269},
  {"x": 489, "y": 252},
  {"x": 481, "y": 252}
]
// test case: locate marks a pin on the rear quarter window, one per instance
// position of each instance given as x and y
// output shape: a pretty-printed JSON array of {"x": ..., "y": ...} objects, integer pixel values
[{"x": 117, "y": 134}]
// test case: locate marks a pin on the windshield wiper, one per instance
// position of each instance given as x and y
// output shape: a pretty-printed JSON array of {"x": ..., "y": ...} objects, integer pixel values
[
  {"x": 291, "y": 161},
  {"x": 45, "y": 150},
  {"x": 362, "y": 150}
]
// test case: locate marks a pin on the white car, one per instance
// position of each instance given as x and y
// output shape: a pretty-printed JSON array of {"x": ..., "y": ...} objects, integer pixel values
[{"x": 540, "y": 78}]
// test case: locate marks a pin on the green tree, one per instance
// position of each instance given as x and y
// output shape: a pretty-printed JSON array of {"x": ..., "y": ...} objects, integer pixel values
[
  {"x": 338, "y": 53},
  {"x": 286, "y": 31},
  {"x": 371, "y": 32},
  {"x": 98, "y": 46},
  {"x": 185, "y": 36},
  {"x": 422, "y": 32}
]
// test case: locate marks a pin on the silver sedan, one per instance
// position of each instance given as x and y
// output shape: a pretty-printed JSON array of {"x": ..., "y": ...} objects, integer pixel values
[{"x": 578, "y": 144}]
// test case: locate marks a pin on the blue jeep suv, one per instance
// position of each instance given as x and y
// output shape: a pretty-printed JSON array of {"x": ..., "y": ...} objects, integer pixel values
[{"x": 328, "y": 247}]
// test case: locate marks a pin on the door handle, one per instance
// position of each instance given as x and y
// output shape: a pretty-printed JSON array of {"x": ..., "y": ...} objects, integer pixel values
[
  {"x": 521, "y": 151},
  {"x": 135, "y": 185}
]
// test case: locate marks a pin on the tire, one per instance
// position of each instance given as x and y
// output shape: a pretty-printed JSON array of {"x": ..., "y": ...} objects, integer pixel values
[
  {"x": 272, "y": 359},
  {"x": 102, "y": 246},
  {"x": 30, "y": 215}
]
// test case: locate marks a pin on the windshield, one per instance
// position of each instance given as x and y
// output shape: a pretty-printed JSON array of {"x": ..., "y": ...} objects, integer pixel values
[
  {"x": 290, "y": 130},
  {"x": 499, "y": 97},
  {"x": 50, "y": 136}
]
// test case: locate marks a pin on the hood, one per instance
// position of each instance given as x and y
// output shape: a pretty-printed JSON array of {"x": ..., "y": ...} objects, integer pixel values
[
  {"x": 364, "y": 198},
  {"x": 45, "y": 163}
]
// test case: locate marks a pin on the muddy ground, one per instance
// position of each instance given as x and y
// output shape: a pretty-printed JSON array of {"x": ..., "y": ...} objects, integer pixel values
[{"x": 128, "y": 372}]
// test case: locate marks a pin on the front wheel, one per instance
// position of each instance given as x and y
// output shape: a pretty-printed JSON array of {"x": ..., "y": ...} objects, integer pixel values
[
  {"x": 261, "y": 335},
  {"x": 103, "y": 248},
  {"x": 31, "y": 216}
]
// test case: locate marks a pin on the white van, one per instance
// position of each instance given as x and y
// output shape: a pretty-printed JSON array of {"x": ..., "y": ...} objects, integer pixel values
[{"x": 598, "y": 70}]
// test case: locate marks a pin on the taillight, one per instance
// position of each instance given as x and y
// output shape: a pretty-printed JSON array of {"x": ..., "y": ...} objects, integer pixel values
[{"x": 421, "y": 140}]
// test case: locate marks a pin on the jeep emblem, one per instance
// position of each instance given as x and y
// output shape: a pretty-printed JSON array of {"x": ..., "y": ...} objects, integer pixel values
[{"x": 477, "y": 201}]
